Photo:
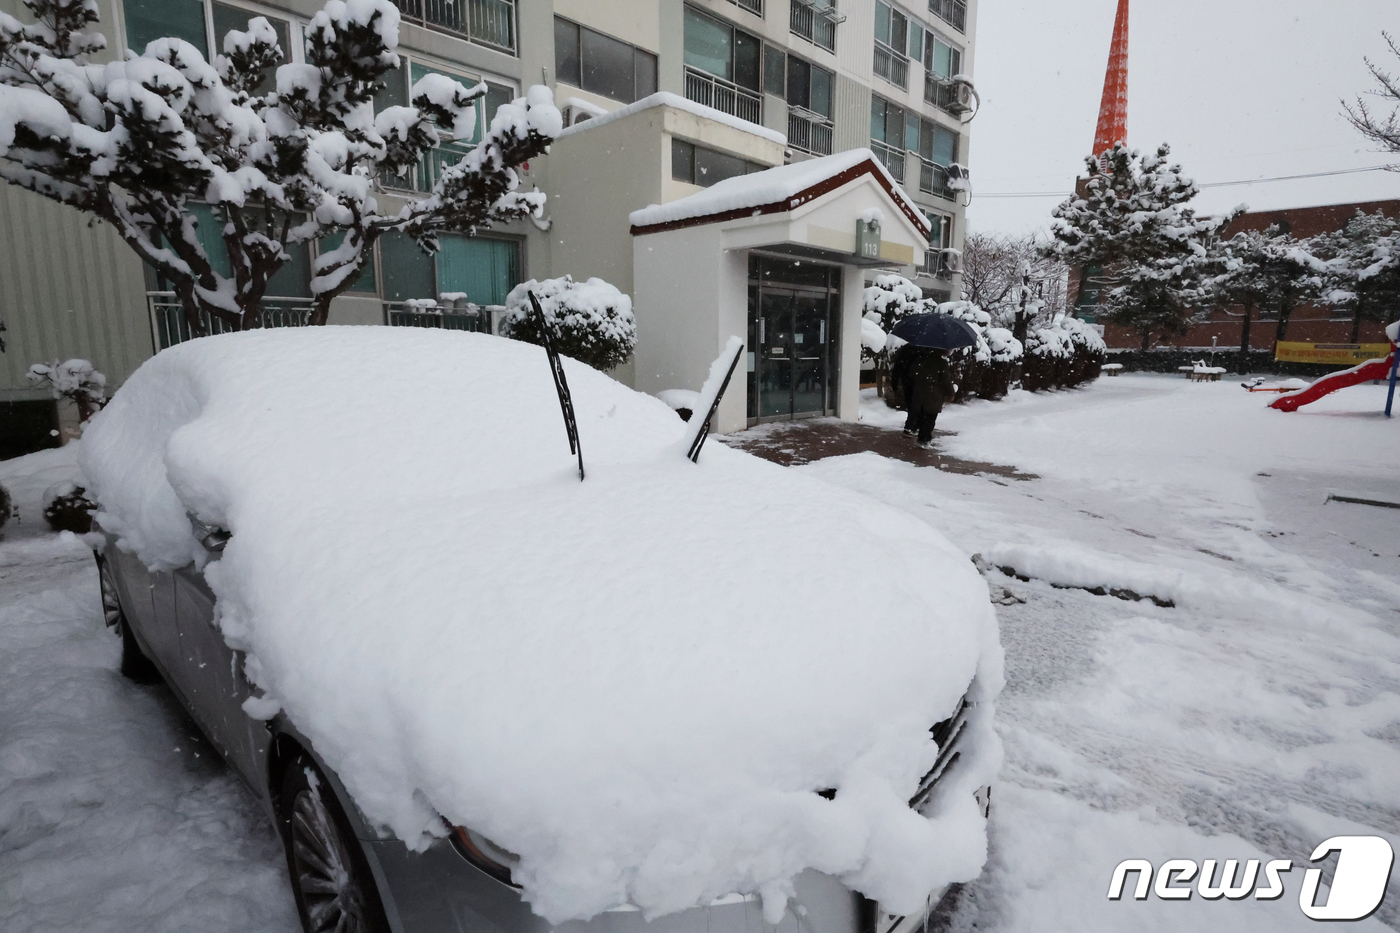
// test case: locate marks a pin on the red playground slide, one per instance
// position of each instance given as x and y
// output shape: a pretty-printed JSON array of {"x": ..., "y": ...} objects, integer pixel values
[{"x": 1371, "y": 369}]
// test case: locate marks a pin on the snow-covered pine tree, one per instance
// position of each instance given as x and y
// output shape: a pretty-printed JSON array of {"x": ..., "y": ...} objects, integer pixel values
[
  {"x": 139, "y": 142},
  {"x": 1131, "y": 223},
  {"x": 1258, "y": 270},
  {"x": 1359, "y": 267}
]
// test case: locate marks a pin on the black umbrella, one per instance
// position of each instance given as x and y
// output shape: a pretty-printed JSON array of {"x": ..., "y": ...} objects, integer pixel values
[{"x": 938, "y": 331}]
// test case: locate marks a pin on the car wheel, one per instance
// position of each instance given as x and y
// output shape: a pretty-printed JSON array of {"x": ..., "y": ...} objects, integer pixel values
[
  {"x": 135, "y": 665},
  {"x": 332, "y": 884}
]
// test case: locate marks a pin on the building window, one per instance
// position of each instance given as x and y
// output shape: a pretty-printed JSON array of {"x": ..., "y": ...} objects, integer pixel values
[
  {"x": 201, "y": 24},
  {"x": 887, "y": 135},
  {"x": 815, "y": 21},
  {"x": 601, "y": 64},
  {"x": 807, "y": 88},
  {"x": 722, "y": 66},
  {"x": 485, "y": 22},
  {"x": 398, "y": 85},
  {"x": 940, "y": 58},
  {"x": 891, "y": 44},
  {"x": 937, "y": 148},
  {"x": 698, "y": 165},
  {"x": 939, "y": 239},
  {"x": 952, "y": 12},
  {"x": 943, "y": 62}
]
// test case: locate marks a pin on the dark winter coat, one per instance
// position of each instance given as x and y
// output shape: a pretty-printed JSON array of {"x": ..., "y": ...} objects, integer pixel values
[
  {"x": 928, "y": 384},
  {"x": 900, "y": 364}
]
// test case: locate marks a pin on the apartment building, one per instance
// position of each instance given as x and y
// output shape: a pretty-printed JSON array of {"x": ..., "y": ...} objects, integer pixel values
[{"x": 662, "y": 98}]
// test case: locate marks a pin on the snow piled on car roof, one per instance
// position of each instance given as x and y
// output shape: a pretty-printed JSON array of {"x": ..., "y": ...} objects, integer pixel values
[{"x": 638, "y": 683}]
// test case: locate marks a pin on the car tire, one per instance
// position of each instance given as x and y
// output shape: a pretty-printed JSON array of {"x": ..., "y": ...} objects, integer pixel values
[
  {"x": 331, "y": 881},
  {"x": 135, "y": 665}
]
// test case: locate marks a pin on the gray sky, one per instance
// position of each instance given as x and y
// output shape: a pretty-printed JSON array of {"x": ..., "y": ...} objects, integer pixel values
[{"x": 1241, "y": 89}]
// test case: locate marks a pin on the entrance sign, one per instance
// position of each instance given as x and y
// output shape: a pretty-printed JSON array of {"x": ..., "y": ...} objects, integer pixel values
[
  {"x": 1333, "y": 354},
  {"x": 868, "y": 239}
]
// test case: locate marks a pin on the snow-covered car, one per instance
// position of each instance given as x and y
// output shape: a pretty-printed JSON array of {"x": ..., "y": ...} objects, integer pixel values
[{"x": 475, "y": 692}]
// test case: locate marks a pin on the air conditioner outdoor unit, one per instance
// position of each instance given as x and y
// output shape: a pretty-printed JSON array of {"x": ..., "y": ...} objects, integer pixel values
[
  {"x": 958, "y": 96},
  {"x": 950, "y": 261}
]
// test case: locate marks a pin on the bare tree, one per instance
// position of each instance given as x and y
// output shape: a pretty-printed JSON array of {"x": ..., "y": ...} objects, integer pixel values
[
  {"x": 1014, "y": 280},
  {"x": 1384, "y": 131}
]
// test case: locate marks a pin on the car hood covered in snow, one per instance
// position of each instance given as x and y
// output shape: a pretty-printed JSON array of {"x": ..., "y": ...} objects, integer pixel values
[{"x": 638, "y": 682}]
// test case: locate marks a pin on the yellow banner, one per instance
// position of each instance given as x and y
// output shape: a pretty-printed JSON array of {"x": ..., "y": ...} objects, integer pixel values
[{"x": 1334, "y": 354}]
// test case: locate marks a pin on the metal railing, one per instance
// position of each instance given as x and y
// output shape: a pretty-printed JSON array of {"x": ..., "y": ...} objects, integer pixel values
[
  {"x": 753, "y": 6},
  {"x": 723, "y": 95},
  {"x": 809, "y": 133},
  {"x": 952, "y": 12},
  {"x": 169, "y": 325},
  {"x": 933, "y": 179},
  {"x": 810, "y": 24},
  {"x": 891, "y": 66},
  {"x": 487, "y": 22},
  {"x": 944, "y": 94},
  {"x": 893, "y": 159},
  {"x": 412, "y": 314}
]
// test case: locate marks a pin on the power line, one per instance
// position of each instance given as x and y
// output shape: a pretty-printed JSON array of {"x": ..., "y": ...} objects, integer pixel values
[{"x": 1213, "y": 184}]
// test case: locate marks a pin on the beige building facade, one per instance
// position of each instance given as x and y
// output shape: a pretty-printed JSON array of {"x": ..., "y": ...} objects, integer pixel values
[{"x": 680, "y": 95}]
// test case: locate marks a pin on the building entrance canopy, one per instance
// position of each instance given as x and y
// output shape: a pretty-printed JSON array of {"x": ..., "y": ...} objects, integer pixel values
[{"x": 692, "y": 282}]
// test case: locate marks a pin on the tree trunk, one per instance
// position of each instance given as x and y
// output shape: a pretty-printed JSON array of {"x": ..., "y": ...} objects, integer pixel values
[
  {"x": 1355, "y": 327},
  {"x": 1146, "y": 340},
  {"x": 1281, "y": 331},
  {"x": 1244, "y": 328}
]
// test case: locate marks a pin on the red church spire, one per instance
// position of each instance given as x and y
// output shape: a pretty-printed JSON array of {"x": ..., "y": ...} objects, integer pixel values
[{"x": 1113, "y": 111}]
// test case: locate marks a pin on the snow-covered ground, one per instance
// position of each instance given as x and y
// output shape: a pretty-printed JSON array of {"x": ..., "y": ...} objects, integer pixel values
[{"x": 1256, "y": 717}]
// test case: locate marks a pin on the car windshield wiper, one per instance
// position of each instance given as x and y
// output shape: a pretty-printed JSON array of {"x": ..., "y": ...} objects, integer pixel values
[{"x": 561, "y": 385}]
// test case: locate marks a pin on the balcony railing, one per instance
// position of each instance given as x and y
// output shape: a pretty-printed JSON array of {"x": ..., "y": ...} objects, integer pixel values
[
  {"x": 893, "y": 159},
  {"x": 809, "y": 133},
  {"x": 933, "y": 179},
  {"x": 945, "y": 95},
  {"x": 487, "y": 22},
  {"x": 952, "y": 12},
  {"x": 169, "y": 325},
  {"x": 753, "y": 6},
  {"x": 891, "y": 66},
  {"x": 723, "y": 95},
  {"x": 420, "y": 314},
  {"x": 815, "y": 25}
]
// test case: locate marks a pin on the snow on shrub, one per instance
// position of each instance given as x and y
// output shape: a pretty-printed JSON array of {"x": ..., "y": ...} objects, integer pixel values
[
  {"x": 500, "y": 645},
  {"x": 66, "y": 508},
  {"x": 78, "y": 380},
  {"x": 891, "y": 299},
  {"x": 592, "y": 320}
]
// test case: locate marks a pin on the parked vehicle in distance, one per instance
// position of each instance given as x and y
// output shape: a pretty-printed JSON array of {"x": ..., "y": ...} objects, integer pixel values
[{"x": 210, "y": 629}]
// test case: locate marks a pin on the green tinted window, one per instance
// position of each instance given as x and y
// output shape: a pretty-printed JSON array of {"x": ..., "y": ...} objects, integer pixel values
[
  {"x": 945, "y": 146},
  {"x": 877, "y": 119},
  {"x": 408, "y": 271},
  {"x": 148, "y": 20},
  {"x": 486, "y": 270},
  {"x": 708, "y": 44},
  {"x": 210, "y": 230},
  {"x": 365, "y": 282},
  {"x": 417, "y": 71}
]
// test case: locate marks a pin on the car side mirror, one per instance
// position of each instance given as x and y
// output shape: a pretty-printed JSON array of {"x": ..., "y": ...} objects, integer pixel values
[{"x": 211, "y": 537}]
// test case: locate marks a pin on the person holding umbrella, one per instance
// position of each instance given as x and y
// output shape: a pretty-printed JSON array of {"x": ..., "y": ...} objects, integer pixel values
[{"x": 923, "y": 371}]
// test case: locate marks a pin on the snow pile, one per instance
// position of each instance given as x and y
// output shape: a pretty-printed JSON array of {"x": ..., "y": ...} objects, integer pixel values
[
  {"x": 677, "y": 399},
  {"x": 1002, "y": 345},
  {"x": 667, "y": 99},
  {"x": 591, "y": 321},
  {"x": 872, "y": 215},
  {"x": 768, "y": 188},
  {"x": 590, "y": 673},
  {"x": 720, "y": 369},
  {"x": 872, "y": 336}
]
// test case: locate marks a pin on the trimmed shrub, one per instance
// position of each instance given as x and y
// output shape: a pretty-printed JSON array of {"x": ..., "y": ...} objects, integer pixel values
[
  {"x": 67, "y": 509},
  {"x": 592, "y": 321}
]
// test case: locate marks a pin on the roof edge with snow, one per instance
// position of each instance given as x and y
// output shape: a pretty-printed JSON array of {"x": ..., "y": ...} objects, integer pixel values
[
  {"x": 667, "y": 99},
  {"x": 676, "y": 215}
]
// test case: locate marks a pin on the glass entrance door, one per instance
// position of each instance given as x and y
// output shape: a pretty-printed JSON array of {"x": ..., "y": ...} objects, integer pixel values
[{"x": 792, "y": 312}]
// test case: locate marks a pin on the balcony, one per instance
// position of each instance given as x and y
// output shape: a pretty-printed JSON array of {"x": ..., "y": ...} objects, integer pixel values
[
  {"x": 952, "y": 12},
  {"x": 487, "y": 22},
  {"x": 169, "y": 325},
  {"x": 815, "y": 21},
  {"x": 933, "y": 179},
  {"x": 952, "y": 98},
  {"x": 753, "y": 6},
  {"x": 723, "y": 95},
  {"x": 891, "y": 66},
  {"x": 809, "y": 132},
  {"x": 892, "y": 159}
]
